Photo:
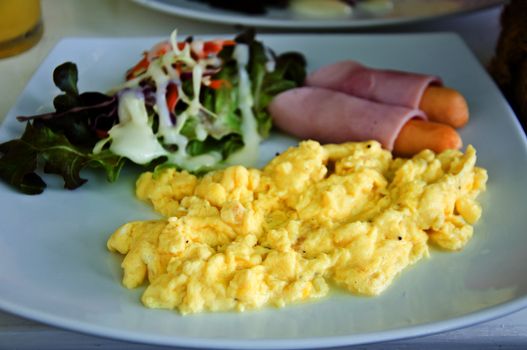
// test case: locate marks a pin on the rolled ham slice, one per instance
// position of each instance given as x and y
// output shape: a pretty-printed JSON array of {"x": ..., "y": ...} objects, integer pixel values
[
  {"x": 334, "y": 117},
  {"x": 380, "y": 85}
]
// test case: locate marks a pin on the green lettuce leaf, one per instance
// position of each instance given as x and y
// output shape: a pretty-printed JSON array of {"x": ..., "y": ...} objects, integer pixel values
[{"x": 39, "y": 146}]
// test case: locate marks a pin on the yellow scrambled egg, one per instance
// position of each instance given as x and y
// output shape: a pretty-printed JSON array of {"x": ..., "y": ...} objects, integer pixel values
[{"x": 347, "y": 214}]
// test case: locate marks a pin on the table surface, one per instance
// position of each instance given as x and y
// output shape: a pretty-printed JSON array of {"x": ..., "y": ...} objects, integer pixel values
[{"x": 100, "y": 18}]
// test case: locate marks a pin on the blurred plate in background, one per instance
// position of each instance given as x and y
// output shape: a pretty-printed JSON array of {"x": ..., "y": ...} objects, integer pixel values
[{"x": 367, "y": 13}]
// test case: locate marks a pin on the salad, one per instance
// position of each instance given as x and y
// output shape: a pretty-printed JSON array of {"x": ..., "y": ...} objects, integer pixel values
[{"x": 195, "y": 104}]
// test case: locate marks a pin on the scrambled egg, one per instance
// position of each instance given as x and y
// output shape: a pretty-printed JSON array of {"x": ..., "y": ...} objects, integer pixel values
[{"x": 348, "y": 214}]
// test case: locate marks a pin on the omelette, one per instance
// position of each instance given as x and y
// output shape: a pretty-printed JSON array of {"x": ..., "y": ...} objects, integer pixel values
[{"x": 348, "y": 215}]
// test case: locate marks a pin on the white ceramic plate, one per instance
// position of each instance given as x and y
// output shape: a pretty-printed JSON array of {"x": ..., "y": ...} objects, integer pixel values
[
  {"x": 403, "y": 11},
  {"x": 54, "y": 266}
]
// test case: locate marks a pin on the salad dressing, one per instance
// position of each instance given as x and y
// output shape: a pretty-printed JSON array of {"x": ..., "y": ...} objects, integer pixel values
[
  {"x": 249, "y": 154},
  {"x": 161, "y": 80},
  {"x": 181, "y": 156},
  {"x": 197, "y": 75},
  {"x": 133, "y": 137},
  {"x": 172, "y": 73}
]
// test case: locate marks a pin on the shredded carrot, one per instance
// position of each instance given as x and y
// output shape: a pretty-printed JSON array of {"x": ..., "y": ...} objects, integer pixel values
[
  {"x": 229, "y": 42},
  {"x": 218, "y": 83},
  {"x": 215, "y": 46},
  {"x": 139, "y": 68},
  {"x": 181, "y": 45},
  {"x": 172, "y": 97},
  {"x": 209, "y": 47},
  {"x": 212, "y": 47}
]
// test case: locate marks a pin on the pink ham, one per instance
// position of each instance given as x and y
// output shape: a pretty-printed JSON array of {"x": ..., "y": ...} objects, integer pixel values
[
  {"x": 385, "y": 86},
  {"x": 334, "y": 117}
]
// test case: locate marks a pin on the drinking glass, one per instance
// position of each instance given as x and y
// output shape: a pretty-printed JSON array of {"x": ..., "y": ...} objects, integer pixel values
[{"x": 20, "y": 26}]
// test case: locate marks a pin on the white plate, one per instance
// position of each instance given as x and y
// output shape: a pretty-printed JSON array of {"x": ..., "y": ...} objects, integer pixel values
[
  {"x": 404, "y": 11},
  {"x": 54, "y": 266}
]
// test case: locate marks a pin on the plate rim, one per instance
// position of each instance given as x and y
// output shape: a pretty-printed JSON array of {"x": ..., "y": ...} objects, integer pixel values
[{"x": 422, "y": 330}]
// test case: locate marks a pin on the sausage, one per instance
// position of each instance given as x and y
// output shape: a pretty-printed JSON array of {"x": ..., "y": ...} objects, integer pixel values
[
  {"x": 417, "y": 135},
  {"x": 444, "y": 105}
]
